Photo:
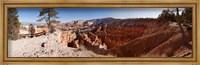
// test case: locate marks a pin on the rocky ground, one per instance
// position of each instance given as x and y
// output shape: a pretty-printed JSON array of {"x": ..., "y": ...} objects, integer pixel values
[
  {"x": 109, "y": 37},
  {"x": 46, "y": 46}
]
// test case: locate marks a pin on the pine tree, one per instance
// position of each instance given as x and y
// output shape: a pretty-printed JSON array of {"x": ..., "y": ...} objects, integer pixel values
[
  {"x": 13, "y": 24},
  {"x": 54, "y": 21},
  {"x": 187, "y": 16},
  {"x": 48, "y": 14},
  {"x": 166, "y": 16}
]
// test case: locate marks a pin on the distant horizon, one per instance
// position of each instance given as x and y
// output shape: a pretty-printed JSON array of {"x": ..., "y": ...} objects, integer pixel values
[
  {"x": 85, "y": 20},
  {"x": 65, "y": 15}
]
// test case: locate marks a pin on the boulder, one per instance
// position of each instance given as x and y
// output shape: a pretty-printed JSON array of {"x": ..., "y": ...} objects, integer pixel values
[{"x": 67, "y": 37}]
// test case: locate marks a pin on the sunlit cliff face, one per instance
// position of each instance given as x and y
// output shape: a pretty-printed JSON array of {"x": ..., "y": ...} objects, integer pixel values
[{"x": 127, "y": 38}]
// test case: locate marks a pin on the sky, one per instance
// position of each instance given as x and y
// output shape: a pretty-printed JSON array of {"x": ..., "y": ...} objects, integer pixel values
[{"x": 71, "y": 14}]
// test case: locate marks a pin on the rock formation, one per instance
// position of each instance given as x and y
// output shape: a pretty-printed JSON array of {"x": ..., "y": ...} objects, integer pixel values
[{"x": 130, "y": 38}]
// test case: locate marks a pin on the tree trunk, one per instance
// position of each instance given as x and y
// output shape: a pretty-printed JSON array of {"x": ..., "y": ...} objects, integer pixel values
[
  {"x": 182, "y": 30},
  {"x": 179, "y": 22},
  {"x": 49, "y": 23}
]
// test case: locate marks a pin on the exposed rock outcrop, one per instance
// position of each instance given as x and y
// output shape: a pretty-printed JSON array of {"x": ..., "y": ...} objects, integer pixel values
[
  {"x": 169, "y": 47},
  {"x": 133, "y": 38},
  {"x": 67, "y": 37},
  {"x": 46, "y": 46}
]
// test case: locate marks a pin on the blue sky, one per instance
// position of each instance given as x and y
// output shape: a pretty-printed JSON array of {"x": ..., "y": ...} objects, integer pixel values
[{"x": 70, "y": 14}]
